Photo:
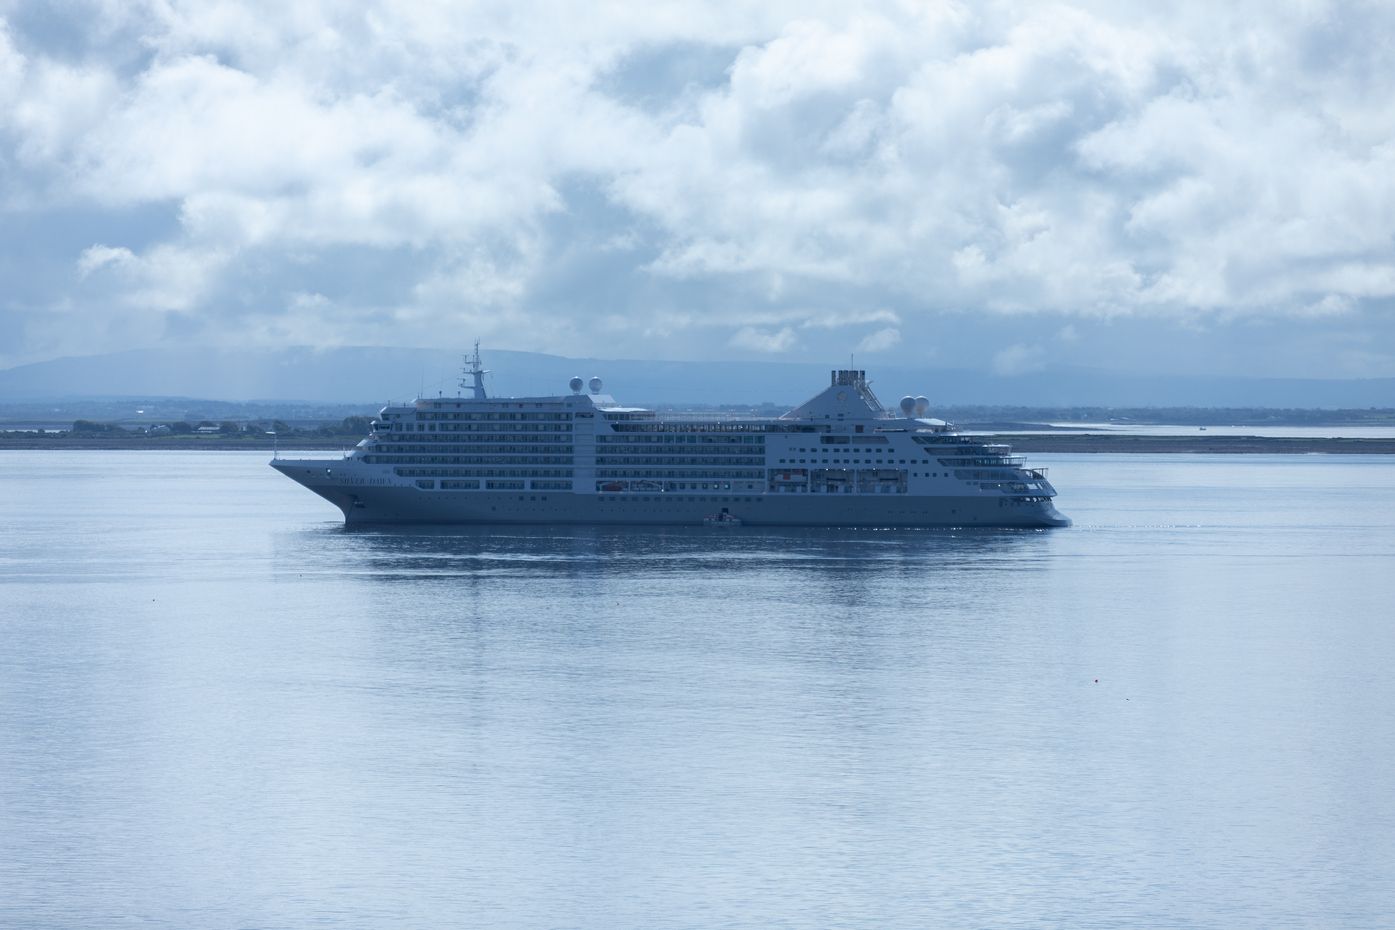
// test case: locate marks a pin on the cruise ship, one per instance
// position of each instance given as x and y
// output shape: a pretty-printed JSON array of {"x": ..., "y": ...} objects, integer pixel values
[{"x": 838, "y": 459}]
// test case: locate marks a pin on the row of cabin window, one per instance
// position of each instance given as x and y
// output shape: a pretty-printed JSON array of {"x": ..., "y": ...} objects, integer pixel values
[
  {"x": 482, "y": 473},
  {"x": 680, "y": 439},
  {"x": 486, "y": 428},
  {"x": 380, "y": 459},
  {"x": 491, "y": 435},
  {"x": 494, "y": 417}
]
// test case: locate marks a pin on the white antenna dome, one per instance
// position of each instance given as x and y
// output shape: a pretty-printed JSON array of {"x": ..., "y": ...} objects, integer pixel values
[
  {"x": 575, "y": 384},
  {"x": 595, "y": 385},
  {"x": 922, "y": 405},
  {"x": 907, "y": 404}
]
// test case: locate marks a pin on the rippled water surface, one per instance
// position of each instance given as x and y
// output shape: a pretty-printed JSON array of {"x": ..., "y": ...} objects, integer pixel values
[{"x": 218, "y": 708}]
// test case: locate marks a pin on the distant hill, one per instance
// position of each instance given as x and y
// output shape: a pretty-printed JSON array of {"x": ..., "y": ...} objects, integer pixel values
[{"x": 363, "y": 375}]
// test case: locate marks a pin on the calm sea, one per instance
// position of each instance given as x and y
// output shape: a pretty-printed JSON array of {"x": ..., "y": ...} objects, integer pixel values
[{"x": 219, "y": 709}]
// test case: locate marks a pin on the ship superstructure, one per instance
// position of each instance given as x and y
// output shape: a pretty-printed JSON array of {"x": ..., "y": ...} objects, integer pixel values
[{"x": 839, "y": 459}]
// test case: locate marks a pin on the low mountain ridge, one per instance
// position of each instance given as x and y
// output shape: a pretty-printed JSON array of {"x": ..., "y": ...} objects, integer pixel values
[{"x": 368, "y": 375}]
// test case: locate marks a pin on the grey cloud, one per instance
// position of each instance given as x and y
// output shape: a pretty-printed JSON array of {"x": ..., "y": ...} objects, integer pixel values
[{"x": 673, "y": 182}]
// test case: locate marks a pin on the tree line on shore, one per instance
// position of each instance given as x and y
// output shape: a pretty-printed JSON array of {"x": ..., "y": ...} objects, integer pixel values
[{"x": 357, "y": 426}]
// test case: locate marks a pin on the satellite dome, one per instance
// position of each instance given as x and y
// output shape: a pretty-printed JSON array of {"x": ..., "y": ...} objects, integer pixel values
[
  {"x": 922, "y": 405},
  {"x": 595, "y": 385},
  {"x": 907, "y": 404},
  {"x": 575, "y": 384}
]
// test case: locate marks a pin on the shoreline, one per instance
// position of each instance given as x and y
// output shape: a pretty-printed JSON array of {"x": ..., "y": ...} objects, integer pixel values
[
  {"x": 1034, "y": 443},
  {"x": 171, "y": 444},
  {"x": 1192, "y": 445}
]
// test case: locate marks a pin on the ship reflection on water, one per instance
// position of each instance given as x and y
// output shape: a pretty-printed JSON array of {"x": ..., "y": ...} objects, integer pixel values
[{"x": 414, "y": 553}]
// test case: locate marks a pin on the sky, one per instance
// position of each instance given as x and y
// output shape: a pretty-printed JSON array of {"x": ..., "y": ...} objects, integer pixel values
[{"x": 1180, "y": 188}]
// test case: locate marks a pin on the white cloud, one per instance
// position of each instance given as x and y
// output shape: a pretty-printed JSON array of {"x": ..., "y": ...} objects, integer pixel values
[
  {"x": 880, "y": 341},
  {"x": 757, "y": 340},
  {"x": 166, "y": 278},
  {"x": 1082, "y": 160},
  {"x": 98, "y": 257},
  {"x": 1331, "y": 305},
  {"x": 840, "y": 318}
]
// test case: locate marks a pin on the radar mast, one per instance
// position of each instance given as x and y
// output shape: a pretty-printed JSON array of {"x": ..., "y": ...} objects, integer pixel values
[{"x": 477, "y": 372}]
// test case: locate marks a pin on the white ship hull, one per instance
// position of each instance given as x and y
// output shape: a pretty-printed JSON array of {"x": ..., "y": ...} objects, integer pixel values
[{"x": 368, "y": 504}]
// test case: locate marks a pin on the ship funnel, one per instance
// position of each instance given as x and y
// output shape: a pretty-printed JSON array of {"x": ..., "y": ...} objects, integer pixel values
[
  {"x": 595, "y": 385},
  {"x": 922, "y": 405},
  {"x": 907, "y": 405},
  {"x": 575, "y": 384}
]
